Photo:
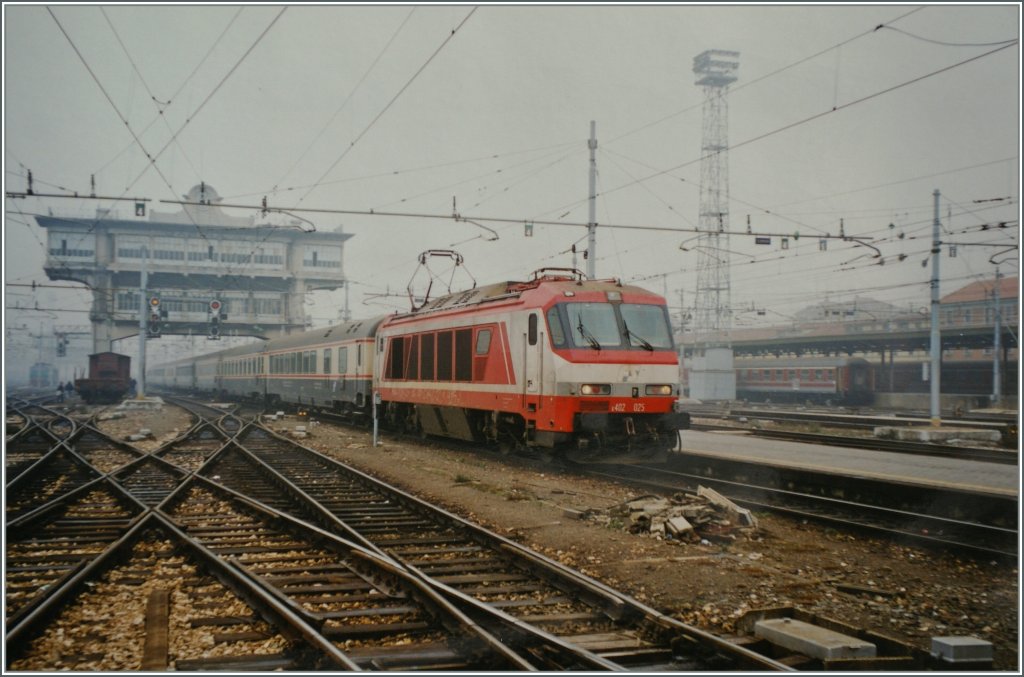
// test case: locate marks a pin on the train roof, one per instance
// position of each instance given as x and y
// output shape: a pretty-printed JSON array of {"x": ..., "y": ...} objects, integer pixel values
[
  {"x": 797, "y": 362},
  {"x": 355, "y": 329},
  {"x": 537, "y": 290}
]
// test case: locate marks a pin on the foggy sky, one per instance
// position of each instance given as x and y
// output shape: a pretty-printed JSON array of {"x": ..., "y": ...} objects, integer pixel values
[{"x": 826, "y": 122}]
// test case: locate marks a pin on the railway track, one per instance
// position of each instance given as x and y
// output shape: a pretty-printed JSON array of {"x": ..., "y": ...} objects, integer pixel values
[
  {"x": 156, "y": 601},
  {"x": 982, "y": 524},
  {"x": 194, "y": 447},
  {"x": 337, "y": 570},
  {"x": 1005, "y": 425},
  {"x": 983, "y": 454},
  {"x": 375, "y": 612},
  {"x": 49, "y": 545},
  {"x": 25, "y": 448},
  {"x": 488, "y": 573},
  {"x": 97, "y": 551}
]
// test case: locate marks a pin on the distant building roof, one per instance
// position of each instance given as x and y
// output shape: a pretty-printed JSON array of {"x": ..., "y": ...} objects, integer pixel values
[
  {"x": 982, "y": 290},
  {"x": 205, "y": 213}
]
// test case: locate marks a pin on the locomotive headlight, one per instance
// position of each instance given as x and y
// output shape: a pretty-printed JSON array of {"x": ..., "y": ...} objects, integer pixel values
[
  {"x": 595, "y": 389},
  {"x": 659, "y": 390}
]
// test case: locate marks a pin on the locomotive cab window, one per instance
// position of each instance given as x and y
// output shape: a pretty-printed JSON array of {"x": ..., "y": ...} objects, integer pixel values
[
  {"x": 593, "y": 325},
  {"x": 483, "y": 341},
  {"x": 646, "y": 324},
  {"x": 532, "y": 329},
  {"x": 555, "y": 328}
]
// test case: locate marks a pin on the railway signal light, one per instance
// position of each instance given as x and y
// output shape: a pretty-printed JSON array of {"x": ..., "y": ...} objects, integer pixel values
[
  {"x": 153, "y": 327},
  {"x": 213, "y": 327}
]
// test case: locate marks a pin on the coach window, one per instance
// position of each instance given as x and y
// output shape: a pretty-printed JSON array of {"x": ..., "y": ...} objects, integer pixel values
[
  {"x": 327, "y": 360},
  {"x": 343, "y": 360},
  {"x": 532, "y": 329},
  {"x": 555, "y": 328}
]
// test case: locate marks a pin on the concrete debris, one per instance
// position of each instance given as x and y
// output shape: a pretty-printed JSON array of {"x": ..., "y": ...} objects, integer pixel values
[
  {"x": 683, "y": 517},
  {"x": 742, "y": 514}
]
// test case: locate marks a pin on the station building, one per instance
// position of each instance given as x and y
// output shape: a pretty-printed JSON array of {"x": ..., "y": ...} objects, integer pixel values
[{"x": 260, "y": 273}]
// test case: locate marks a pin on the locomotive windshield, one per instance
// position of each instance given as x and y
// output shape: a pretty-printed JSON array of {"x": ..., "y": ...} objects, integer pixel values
[
  {"x": 646, "y": 324},
  {"x": 609, "y": 325}
]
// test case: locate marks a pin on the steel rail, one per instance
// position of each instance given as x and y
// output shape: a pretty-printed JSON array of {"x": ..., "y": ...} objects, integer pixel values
[
  {"x": 278, "y": 616},
  {"x": 262, "y": 542},
  {"x": 415, "y": 533},
  {"x": 926, "y": 529}
]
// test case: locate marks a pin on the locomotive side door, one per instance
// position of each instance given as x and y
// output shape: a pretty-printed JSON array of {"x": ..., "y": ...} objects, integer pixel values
[{"x": 533, "y": 359}]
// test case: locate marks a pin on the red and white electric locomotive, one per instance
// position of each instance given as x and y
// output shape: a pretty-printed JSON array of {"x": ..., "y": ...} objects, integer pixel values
[{"x": 582, "y": 368}]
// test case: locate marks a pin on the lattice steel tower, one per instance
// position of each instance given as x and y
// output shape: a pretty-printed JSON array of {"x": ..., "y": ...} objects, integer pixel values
[{"x": 711, "y": 372}]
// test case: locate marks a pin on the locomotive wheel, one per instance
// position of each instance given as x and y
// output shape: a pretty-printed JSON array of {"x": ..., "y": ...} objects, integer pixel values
[{"x": 507, "y": 444}]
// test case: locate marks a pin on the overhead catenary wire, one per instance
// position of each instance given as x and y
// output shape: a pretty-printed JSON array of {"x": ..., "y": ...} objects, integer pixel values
[
  {"x": 766, "y": 76},
  {"x": 230, "y": 274},
  {"x": 943, "y": 42},
  {"x": 352, "y": 144},
  {"x": 192, "y": 116},
  {"x": 174, "y": 96},
  {"x": 346, "y": 101},
  {"x": 798, "y": 123}
]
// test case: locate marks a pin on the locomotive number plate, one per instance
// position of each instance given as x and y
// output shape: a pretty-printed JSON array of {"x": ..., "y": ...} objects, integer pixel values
[{"x": 621, "y": 408}]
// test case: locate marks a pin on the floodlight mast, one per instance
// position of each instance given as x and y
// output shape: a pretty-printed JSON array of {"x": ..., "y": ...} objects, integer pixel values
[{"x": 711, "y": 356}]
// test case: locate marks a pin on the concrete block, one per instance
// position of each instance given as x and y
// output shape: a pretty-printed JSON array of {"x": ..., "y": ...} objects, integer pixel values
[
  {"x": 678, "y": 525},
  {"x": 573, "y": 513},
  {"x": 961, "y": 649},
  {"x": 745, "y": 516},
  {"x": 300, "y": 428},
  {"x": 812, "y": 640}
]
